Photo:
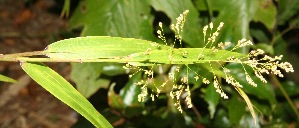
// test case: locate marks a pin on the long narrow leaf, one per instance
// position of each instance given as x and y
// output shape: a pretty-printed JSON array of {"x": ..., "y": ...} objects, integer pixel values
[
  {"x": 248, "y": 102},
  {"x": 96, "y": 47},
  {"x": 63, "y": 90},
  {"x": 134, "y": 51},
  {"x": 7, "y": 79}
]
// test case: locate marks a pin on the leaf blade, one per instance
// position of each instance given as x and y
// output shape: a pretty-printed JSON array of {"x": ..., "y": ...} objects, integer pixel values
[
  {"x": 64, "y": 91},
  {"x": 7, "y": 79},
  {"x": 94, "y": 47},
  {"x": 248, "y": 102}
]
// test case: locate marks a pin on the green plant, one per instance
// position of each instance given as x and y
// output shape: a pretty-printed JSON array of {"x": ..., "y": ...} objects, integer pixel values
[
  {"x": 141, "y": 53},
  {"x": 164, "y": 70}
]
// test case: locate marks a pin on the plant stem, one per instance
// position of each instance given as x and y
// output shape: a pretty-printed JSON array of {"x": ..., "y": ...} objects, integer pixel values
[
  {"x": 285, "y": 94},
  {"x": 15, "y": 55},
  {"x": 28, "y": 59}
]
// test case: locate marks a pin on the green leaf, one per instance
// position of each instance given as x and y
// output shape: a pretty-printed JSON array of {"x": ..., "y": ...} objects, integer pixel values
[
  {"x": 280, "y": 48},
  {"x": 236, "y": 22},
  {"x": 113, "y": 69},
  {"x": 248, "y": 122},
  {"x": 98, "y": 47},
  {"x": 221, "y": 120},
  {"x": 114, "y": 100},
  {"x": 7, "y": 79},
  {"x": 290, "y": 87},
  {"x": 133, "y": 51},
  {"x": 265, "y": 47},
  {"x": 63, "y": 90},
  {"x": 259, "y": 35},
  {"x": 177, "y": 56},
  {"x": 264, "y": 11},
  {"x": 130, "y": 92},
  {"x": 236, "y": 109},
  {"x": 248, "y": 102},
  {"x": 87, "y": 78},
  {"x": 192, "y": 33},
  {"x": 66, "y": 8},
  {"x": 130, "y": 18},
  {"x": 287, "y": 9},
  {"x": 214, "y": 68},
  {"x": 263, "y": 109},
  {"x": 212, "y": 98},
  {"x": 128, "y": 96},
  {"x": 127, "y": 100},
  {"x": 195, "y": 70}
]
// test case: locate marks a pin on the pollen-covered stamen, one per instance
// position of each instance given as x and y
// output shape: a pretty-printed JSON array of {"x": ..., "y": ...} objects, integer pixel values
[
  {"x": 255, "y": 53},
  {"x": 149, "y": 73},
  {"x": 267, "y": 64},
  {"x": 221, "y": 45},
  {"x": 249, "y": 80},
  {"x": 175, "y": 94},
  {"x": 204, "y": 30},
  {"x": 161, "y": 33},
  {"x": 219, "y": 89},
  {"x": 286, "y": 66},
  {"x": 220, "y": 26},
  {"x": 188, "y": 98},
  {"x": 212, "y": 37},
  {"x": 259, "y": 65},
  {"x": 178, "y": 27},
  {"x": 205, "y": 81},
  {"x": 242, "y": 43},
  {"x": 260, "y": 76},
  {"x": 144, "y": 93}
]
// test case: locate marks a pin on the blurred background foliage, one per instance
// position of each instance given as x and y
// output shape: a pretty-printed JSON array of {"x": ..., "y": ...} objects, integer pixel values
[{"x": 271, "y": 24}]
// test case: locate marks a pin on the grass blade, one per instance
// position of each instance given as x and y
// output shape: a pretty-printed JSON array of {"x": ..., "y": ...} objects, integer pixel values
[
  {"x": 64, "y": 91},
  {"x": 248, "y": 102},
  {"x": 7, "y": 79}
]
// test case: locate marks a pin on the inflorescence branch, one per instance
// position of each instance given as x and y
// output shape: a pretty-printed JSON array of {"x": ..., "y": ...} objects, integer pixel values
[{"x": 258, "y": 64}]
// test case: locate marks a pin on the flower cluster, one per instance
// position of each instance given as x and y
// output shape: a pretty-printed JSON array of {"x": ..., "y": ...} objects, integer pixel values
[
  {"x": 178, "y": 27},
  {"x": 267, "y": 64},
  {"x": 255, "y": 59}
]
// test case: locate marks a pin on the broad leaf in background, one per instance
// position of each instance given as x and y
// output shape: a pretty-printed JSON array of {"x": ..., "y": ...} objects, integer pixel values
[
  {"x": 64, "y": 91},
  {"x": 114, "y": 100},
  {"x": 236, "y": 22},
  {"x": 288, "y": 11},
  {"x": 236, "y": 109},
  {"x": 192, "y": 33},
  {"x": 130, "y": 18},
  {"x": 128, "y": 96},
  {"x": 88, "y": 78},
  {"x": 237, "y": 14},
  {"x": 7, "y": 79},
  {"x": 130, "y": 92},
  {"x": 221, "y": 119},
  {"x": 212, "y": 98},
  {"x": 126, "y": 101}
]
